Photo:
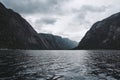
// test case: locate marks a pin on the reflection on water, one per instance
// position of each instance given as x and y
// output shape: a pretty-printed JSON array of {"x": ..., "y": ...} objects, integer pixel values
[{"x": 59, "y": 65}]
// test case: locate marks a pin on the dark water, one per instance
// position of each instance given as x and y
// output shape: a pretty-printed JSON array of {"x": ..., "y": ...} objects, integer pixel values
[{"x": 59, "y": 65}]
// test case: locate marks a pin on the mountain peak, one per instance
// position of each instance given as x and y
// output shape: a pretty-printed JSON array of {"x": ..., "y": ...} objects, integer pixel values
[
  {"x": 16, "y": 32},
  {"x": 114, "y": 16},
  {"x": 1, "y": 5},
  {"x": 104, "y": 34}
]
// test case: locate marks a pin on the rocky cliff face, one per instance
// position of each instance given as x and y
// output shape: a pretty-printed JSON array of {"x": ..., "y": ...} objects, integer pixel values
[
  {"x": 16, "y": 32},
  {"x": 104, "y": 34},
  {"x": 57, "y": 42}
]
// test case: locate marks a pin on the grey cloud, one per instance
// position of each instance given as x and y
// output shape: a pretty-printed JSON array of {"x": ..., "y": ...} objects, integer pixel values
[
  {"x": 34, "y": 6},
  {"x": 89, "y": 8},
  {"x": 85, "y": 9},
  {"x": 46, "y": 21}
]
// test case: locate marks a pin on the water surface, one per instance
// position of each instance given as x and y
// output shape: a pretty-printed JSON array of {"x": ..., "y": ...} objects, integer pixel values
[{"x": 59, "y": 65}]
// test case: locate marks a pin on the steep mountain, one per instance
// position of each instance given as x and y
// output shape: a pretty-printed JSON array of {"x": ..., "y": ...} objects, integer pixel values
[
  {"x": 16, "y": 32},
  {"x": 104, "y": 34},
  {"x": 57, "y": 42}
]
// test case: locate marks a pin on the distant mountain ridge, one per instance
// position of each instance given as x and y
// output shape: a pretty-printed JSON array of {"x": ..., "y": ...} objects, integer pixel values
[
  {"x": 103, "y": 34},
  {"x": 57, "y": 42},
  {"x": 17, "y": 33}
]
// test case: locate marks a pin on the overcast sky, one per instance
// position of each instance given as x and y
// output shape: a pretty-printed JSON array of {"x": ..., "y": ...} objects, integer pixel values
[{"x": 67, "y": 18}]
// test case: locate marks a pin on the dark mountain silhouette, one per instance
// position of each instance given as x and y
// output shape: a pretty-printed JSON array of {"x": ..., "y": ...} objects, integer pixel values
[
  {"x": 17, "y": 33},
  {"x": 104, "y": 34},
  {"x": 57, "y": 42}
]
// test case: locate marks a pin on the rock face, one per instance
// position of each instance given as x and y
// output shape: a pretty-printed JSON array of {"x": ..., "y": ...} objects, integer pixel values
[
  {"x": 104, "y": 34},
  {"x": 57, "y": 42},
  {"x": 16, "y": 32}
]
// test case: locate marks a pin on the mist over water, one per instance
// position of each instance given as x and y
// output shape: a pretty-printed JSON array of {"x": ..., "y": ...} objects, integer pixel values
[{"x": 59, "y": 65}]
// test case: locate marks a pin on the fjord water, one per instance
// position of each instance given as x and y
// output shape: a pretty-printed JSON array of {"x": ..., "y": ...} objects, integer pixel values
[{"x": 59, "y": 65}]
